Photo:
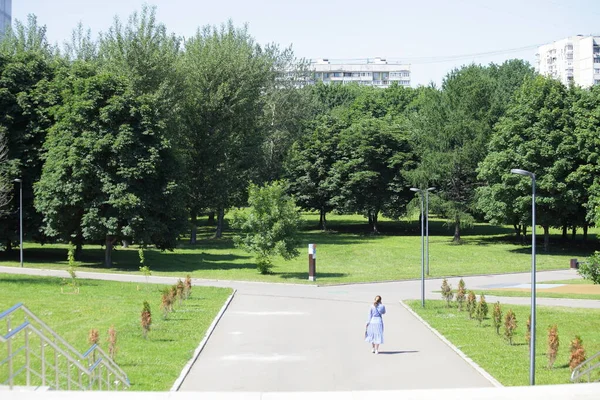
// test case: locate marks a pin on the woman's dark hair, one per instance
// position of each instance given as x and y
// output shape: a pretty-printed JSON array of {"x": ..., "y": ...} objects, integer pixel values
[{"x": 377, "y": 301}]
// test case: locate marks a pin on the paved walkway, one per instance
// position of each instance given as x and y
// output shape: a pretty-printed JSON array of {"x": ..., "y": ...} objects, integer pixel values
[{"x": 281, "y": 337}]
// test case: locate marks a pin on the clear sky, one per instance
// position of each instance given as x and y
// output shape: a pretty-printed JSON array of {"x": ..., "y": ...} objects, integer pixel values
[{"x": 428, "y": 34}]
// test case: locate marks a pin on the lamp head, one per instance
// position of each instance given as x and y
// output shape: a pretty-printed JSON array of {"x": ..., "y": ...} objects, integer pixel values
[
  {"x": 522, "y": 172},
  {"x": 430, "y": 189},
  {"x": 18, "y": 180},
  {"x": 415, "y": 189}
]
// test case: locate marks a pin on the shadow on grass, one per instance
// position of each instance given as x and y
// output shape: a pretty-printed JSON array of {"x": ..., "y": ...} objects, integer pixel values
[
  {"x": 304, "y": 275},
  {"x": 46, "y": 281}
]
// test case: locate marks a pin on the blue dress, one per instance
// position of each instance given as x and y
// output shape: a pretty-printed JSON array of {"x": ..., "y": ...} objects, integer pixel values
[{"x": 375, "y": 325}]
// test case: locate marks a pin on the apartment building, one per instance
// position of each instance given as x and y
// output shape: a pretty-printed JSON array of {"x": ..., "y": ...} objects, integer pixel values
[
  {"x": 575, "y": 59},
  {"x": 374, "y": 72},
  {"x": 5, "y": 15}
]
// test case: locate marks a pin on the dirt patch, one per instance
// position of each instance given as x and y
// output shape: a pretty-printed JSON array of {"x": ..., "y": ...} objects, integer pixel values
[{"x": 578, "y": 289}]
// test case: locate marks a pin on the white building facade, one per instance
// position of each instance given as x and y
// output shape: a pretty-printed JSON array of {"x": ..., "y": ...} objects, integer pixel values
[
  {"x": 5, "y": 15},
  {"x": 377, "y": 72},
  {"x": 575, "y": 59}
]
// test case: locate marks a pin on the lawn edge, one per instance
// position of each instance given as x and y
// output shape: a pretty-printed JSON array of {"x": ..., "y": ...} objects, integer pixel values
[
  {"x": 472, "y": 363},
  {"x": 188, "y": 366}
]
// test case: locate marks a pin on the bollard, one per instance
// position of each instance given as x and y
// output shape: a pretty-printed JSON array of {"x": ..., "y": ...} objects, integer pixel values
[
  {"x": 312, "y": 262},
  {"x": 574, "y": 263}
]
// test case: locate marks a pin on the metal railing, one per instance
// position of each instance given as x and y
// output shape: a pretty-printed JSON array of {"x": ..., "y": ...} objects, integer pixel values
[
  {"x": 37, "y": 356},
  {"x": 586, "y": 368}
]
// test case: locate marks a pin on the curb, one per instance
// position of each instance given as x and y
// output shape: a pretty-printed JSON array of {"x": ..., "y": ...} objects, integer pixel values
[
  {"x": 186, "y": 369},
  {"x": 453, "y": 347}
]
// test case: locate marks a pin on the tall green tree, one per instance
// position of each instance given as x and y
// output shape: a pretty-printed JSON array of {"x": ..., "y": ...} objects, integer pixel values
[
  {"x": 27, "y": 66},
  {"x": 110, "y": 167},
  {"x": 225, "y": 73},
  {"x": 534, "y": 135},
  {"x": 452, "y": 129}
]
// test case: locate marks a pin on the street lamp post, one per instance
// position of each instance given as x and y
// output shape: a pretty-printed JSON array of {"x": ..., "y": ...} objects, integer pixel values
[
  {"x": 422, "y": 250},
  {"x": 427, "y": 223},
  {"x": 532, "y": 350},
  {"x": 20, "y": 182}
]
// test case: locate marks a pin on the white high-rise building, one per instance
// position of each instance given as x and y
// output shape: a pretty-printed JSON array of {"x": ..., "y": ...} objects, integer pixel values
[
  {"x": 5, "y": 15},
  {"x": 574, "y": 59},
  {"x": 377, "y": 72}
]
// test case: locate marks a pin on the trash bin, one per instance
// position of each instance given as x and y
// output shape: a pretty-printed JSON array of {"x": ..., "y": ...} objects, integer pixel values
[{"x": 574, "y": 263}]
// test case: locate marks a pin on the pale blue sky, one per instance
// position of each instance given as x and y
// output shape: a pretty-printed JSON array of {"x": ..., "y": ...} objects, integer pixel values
[{"x": 424, "y": 33}]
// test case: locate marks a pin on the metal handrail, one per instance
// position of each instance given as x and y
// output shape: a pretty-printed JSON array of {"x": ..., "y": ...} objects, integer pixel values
[
  {"x": 93, "y": 369},
  {"x": 586, "y": 369}
]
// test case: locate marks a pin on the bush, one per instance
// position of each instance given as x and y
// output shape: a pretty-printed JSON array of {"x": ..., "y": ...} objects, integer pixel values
[
  {"x": 187, "y": 291},
  {"x": 112, "y": 342},
  {"x": 180, "y": 291},
  {"x": 497, "y": 317},
  {"x": 510, "y": 325},
  {"x": 146, "y": 319},
  {"x": 482, "y": 309},
  {"x": 461, "y": 294},
  {"x": 553, "y": 344},
  {"x": 166, "y": 302},
  {"x": 591, "y": 269},
  {"x": 577, "y": 353},
  {"x": 447, "y": 292},
  {"x": 471, "y": 303}
]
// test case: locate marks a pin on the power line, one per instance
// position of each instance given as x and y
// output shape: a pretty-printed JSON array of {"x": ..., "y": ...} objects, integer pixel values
[{"x": 440, "y": 59}]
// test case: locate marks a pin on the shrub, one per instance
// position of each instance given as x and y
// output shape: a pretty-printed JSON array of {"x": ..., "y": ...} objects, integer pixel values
[
  {"x": 510, "y": 325},
  {"x": 497, "y": 317},
  {"x": 93, "y": 336},
  {"x": 553, "y": 344},
  {"x": 180, "y": 289},
  {"x": 577, "y": 352},
  {"x": 173, "y": 294},
  {"x": 166, "y": 302},
  {"x": 471, "y": 303},
  {"x": 146, "y": 319},
  {"x": 447, "y": 292},
  {"x": 591, "y": 269},
  {"x": 461, "y": 294},
  {"x": 482, "y": 309},
  {"x": 112, "y": 342},
  {"x": 144, "y": 269},
  {"x": 188, "y": 287}
]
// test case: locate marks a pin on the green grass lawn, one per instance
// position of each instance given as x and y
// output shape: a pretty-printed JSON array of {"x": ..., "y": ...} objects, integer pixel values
[
  {"x": 510, "y": 364},
  {"x": 151, "y": 364},
  {"x": 345, "y": 253}
]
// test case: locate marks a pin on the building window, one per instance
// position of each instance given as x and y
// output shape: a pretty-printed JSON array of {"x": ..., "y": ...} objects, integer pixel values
[
  {"x": 596, "y": 60},
  {"x": 337, "y": 74},
  {"x": 597, "y": 70}
]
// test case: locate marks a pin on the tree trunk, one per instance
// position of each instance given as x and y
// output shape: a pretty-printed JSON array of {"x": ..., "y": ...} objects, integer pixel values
[
  {"x": 220, "y": 218},
  {"x": 524, "y": 237},
  {"x": 456, "y": 237},
  {"x": 374, "y": 216},
  {"x": 8, "y": 245},
  {"x": 323, "y": 220},
  {"x": 564, "y": 232},
  {"x": 585, "y": 232},
  {"x": 108, "y": 251},
  {"x": 546, "y": 237},
  {"x": 517, "y": 230},
  {"x": 194, "y": 218},
  {"x": 574, "y": 233},
  {"x": 78, "y": 251},
  {"x": 211, "y": 218}
]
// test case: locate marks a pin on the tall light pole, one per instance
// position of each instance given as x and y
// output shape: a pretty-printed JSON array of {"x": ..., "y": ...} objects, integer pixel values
[
  {"x": 427, "y": 223},
  {"x": 532, "y": 350},
  {"x": 20, "y": 182},
  {"x": 422, "y": 249}
]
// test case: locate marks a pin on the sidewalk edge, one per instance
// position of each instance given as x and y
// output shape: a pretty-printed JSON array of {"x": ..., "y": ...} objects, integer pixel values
[
  {"x": 453, "y": 347},
  {"x": 186, "y": 369}
]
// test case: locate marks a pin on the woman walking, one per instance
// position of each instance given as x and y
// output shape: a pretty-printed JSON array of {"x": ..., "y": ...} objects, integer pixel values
[{"x": 374, "y": 329}]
